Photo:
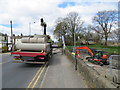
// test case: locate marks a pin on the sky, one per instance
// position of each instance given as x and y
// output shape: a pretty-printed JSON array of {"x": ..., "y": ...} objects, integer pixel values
[{"x": 23, "y": 12}]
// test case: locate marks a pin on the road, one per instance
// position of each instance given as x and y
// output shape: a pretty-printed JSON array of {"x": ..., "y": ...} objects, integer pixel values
[
  {"x": 16, "y": 75},
  {"x": 60, "y": 73}
]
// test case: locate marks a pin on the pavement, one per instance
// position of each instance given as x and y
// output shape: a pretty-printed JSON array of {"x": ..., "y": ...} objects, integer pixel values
[{"x": 60, "y": 73}]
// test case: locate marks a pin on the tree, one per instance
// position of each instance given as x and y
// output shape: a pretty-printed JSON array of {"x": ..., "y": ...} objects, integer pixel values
[
  {"x": 104, "y": 22},
  {"x": 69, "y": 25},
  {"x": 60, "y": 28},
  {"x": 115, "y": 35},
  {"x": 21, "y": 34},
  {"x": 74, "y": 23},
  {"x": 98, "y": 33}
]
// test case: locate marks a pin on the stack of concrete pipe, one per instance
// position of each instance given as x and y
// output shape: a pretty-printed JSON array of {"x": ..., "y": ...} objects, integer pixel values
[{"x": 36, "y": 43}]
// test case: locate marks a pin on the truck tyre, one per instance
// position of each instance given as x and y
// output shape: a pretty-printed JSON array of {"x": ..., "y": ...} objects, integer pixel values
[{"x": 47, "y": 57}]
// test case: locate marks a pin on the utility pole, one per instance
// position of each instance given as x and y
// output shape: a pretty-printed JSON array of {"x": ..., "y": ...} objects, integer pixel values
[
  {"x": 75, "y": 51},
  {"x": 11, "y": 35}
]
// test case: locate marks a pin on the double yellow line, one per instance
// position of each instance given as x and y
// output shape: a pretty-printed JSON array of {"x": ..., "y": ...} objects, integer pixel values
[{"x": 37, "y": 76}]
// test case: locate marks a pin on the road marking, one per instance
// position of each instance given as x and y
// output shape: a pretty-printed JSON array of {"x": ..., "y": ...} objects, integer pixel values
[
  {"x": 44, "y": 77},
  {"x": 37, "y": 76},
  {"x": 34, "y": 77}
]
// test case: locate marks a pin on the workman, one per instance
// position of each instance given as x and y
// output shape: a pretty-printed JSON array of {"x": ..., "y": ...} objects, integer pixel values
[
  {"x": 49, "y": 40},
  {"x": 99, "y": 55}
]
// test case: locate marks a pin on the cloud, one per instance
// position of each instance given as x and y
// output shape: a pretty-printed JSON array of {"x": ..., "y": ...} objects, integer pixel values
[{"x": 21, "y": 12}]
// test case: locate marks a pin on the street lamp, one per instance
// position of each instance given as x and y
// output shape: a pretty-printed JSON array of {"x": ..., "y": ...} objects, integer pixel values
[{"x": 30, "y": 28}]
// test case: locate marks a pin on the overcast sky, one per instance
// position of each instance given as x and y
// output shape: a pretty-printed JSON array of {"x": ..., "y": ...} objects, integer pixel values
[{"x": 22, "y": 12}]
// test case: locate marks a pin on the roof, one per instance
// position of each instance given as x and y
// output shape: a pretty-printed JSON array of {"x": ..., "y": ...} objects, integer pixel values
[{"x": 1, "y": 34}]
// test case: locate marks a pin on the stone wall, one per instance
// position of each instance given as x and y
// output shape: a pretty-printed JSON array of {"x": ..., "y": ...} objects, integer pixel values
[{"x": 92, "y": 77}]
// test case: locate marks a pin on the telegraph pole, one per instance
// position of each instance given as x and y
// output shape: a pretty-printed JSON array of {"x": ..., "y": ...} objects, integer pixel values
[
  {"x": 11, "y": 28},
  {"x": 75, "y": 51},
  {"x": 11, "y": 35}
]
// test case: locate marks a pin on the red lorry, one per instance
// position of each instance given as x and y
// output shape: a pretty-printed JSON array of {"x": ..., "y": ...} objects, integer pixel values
[{"x": 32, "y": 50}]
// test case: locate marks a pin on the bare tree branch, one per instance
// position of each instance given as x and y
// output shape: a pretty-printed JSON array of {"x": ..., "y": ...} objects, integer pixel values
[{"x": 105, "y": 20}]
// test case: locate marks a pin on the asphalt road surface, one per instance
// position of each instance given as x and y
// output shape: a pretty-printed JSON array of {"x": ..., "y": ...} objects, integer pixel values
[
  {"x": 60, "y": 73},
  {"x": 16, "y": 75}
]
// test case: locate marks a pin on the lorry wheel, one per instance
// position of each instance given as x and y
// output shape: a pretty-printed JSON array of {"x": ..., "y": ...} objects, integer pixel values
[{"x": 47, "y": 58}]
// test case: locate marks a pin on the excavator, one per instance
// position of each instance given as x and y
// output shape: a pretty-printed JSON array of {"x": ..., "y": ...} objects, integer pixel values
[{"x": 97, "y": 56}]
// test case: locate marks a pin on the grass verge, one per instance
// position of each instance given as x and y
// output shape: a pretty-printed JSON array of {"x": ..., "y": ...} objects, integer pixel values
[{"x": 108, "y": 49}]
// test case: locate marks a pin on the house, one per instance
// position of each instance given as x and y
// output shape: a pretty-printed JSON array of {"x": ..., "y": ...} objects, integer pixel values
[{"x": 3, "y": 42}]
